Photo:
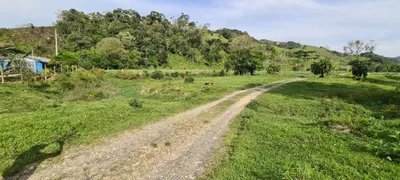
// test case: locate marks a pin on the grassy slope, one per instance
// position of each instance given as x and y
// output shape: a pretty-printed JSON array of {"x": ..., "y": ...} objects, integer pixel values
[
  {"x": 26, "y": 38},
  {"x": 285, "y": 134},
  {"x": 338, "y": 62},
  {"x": 30, "y": 118}
]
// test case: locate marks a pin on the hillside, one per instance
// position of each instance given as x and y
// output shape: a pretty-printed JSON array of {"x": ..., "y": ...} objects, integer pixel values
[
  {"x": 38, "y": 39},
  {"x": 123, "y": 39}
]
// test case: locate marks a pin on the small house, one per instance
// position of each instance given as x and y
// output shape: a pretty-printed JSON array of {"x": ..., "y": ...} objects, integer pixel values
[{"x": 35, "y": 64}]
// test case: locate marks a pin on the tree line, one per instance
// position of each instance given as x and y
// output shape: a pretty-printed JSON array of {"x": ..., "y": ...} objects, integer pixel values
[{"x": 124, "y": 39}]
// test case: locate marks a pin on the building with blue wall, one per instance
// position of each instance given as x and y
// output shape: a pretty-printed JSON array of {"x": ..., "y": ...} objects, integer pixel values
[{"x": 35, "y": 64}]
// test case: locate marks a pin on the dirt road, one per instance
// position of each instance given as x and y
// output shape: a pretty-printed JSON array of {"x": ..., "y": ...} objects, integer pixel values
[{"x": 173, "y": 148}]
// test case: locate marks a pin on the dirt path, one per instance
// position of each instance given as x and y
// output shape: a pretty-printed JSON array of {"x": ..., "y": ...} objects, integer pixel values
[{"x": 174, "y": 148}]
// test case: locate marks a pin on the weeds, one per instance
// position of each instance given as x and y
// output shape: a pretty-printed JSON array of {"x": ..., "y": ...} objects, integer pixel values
[
  {"x": 189, "y": 80},
  {"x": 135, "y": 103},
  {"x": 154, "y": 145}
]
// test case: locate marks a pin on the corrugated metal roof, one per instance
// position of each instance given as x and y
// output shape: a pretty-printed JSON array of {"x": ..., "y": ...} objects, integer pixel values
[{"x": 41, "y": 59}]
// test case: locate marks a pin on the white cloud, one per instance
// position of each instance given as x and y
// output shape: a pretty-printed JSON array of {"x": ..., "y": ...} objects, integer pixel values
[{"x": 316, "y": 22}]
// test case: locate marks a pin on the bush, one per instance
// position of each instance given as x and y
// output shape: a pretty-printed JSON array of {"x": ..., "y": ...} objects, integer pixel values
[
  {"x": 99, "y": 73},
  {"x": 273, "y": 68},
  {"x": 389, "y": 148},
  {"x": 135, "y": 103},
  {"x": 146, "y": 73},
  {"x": 189, "y": 80},
  {"x": 296, "y": 68},
  {"x": 80, "y": 85},
  {"x": 126, "y": 75},
  {"x": 397, "y": 89},
  {"x": 157, "y": 75},
  {"x": 222, "y": 73},
  {"x": 183, "y": 74},
  {"x": 175, "y": 74}
]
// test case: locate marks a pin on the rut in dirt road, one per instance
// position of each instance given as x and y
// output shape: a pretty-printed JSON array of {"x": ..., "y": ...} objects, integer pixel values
[{"x": 174, "y": 148}]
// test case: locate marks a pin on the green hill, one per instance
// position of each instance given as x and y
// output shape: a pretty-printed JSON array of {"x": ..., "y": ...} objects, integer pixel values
[
  {"x": 38, "y": 39},
  {"x": 123, "y": 39}
]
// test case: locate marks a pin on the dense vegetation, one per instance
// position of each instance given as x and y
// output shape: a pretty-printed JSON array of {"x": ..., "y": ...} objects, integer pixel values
[{"x": 124, "y": 39}]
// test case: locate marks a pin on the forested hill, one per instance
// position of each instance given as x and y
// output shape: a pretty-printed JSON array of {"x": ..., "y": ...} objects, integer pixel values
[{"x": 124, "y": 39}]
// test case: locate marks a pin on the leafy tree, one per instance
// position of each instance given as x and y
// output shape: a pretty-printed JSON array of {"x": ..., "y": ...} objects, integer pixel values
[
  {"x": 359, "y": 68},
  {"x": 289, "y": 45},
  {"x": 273, "y": 68},
  {"x": 67, "y": 58},
  {"x": 113, "y": 50},
  {"x": 245, "y": 61},
  {"x": 242, "y": 42},
  {"x": 278, "y": 59},
  {"x": 322, "y": 68}
]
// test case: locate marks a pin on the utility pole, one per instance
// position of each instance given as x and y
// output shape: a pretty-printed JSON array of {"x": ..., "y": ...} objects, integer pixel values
[{"x": 55, "y": 36}]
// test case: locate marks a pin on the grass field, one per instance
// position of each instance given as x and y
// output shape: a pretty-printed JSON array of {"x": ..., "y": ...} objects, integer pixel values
[
  {"x": 333, "y": 128},
  {"x": 32, "y": 119}
]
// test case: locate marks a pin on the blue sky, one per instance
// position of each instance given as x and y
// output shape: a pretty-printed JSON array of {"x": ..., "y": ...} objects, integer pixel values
[{"x": 316, "y": 22}]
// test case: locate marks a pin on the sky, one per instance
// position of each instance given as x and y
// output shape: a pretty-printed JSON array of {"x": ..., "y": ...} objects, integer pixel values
[{"x": 329, "y": 23}]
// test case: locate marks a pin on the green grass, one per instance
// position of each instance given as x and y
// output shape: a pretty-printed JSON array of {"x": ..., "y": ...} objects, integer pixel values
[
  {"x": 333, "y": 128},
  {"x": 31, "y": 119}
]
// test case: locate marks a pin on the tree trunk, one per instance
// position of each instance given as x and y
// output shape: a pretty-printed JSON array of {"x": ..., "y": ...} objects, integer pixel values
[{"x": 322, "y": 75}]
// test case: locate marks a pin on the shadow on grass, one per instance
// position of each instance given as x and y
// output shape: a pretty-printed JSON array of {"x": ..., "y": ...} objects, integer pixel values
[
  {"x": 396, "y": 78},
  {"x": 369, "y": 96},
  {"x": 383, "y": 82},
  {"x": 27, "y": 162}
]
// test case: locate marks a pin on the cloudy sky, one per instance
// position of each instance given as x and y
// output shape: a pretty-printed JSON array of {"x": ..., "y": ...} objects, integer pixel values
[{"x": 316, "y": 22}]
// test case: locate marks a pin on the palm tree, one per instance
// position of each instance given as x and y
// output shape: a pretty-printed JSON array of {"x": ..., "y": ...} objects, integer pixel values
[
  {"x": 18, "y": 62},
  {"x": 7, "y": 51}
]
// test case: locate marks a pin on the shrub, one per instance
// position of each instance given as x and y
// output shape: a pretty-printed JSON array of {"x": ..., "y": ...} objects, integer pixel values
[
  {"x": 135, "y": 103},
  {"x": 273, "y": 68},
  {"x": 146, "y": 73},
  {"x": 189, "y": 80},
  {"x": 183, "y": 74},
  {"x": 64, "y": 82},
  {"x": 157, "y": 75},
  {"x": 389, "y": 149},
  {"x": 126, "y": 75},
  {"x": 175, "y": 74},
  {"x": 99, "y": 73},
  {"x": 397, "y": 89},
  {"x": 296, "y": 68},
  {"x": 80, "y": 85}
]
